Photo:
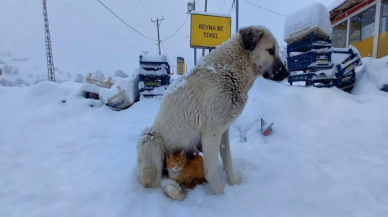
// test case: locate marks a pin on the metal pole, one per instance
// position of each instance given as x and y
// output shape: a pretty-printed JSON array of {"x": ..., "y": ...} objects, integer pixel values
[
  {"x": 377, "y": 29},
  {"x": 195, "y": 56},
  {"x": 49, "y": 52},
  {"x": 157, "y": 25},
  {"x": 236, "y": 16},
  {"x": 203, "y": 50}
]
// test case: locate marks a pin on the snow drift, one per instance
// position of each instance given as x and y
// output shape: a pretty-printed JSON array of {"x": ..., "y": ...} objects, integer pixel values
[
  {"x": 326, "y": 156},
  {"x": 372, "y": 75}
]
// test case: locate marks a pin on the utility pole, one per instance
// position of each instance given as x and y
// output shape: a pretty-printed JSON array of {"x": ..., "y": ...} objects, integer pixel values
[
  {"x": 157, "y": 25},
  {"x": 49, "y": 52},
  {"x": 203, "y": 50},
  {"x": 190, "y": 8},
  {"x": 236, "y": 16}
]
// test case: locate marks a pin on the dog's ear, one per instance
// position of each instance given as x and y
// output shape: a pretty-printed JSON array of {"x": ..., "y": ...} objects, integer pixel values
[{"x": 250, "y": 37}]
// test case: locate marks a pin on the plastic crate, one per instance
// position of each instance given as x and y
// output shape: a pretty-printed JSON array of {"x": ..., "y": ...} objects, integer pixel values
[
  {"x": 308, "y": 44},
  {"x": 155, "y": 80},
  {"x": 312, "y": 60},
  {"x": 385, "y": 88},
  {"x": 307, "y": 77},
  {"x": 323, "y": 81}
]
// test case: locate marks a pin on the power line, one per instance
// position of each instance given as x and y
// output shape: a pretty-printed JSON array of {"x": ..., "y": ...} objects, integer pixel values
[
  {"x": 145, "y": 9},
  {"x": 231, "y": 8},
  {"x": 152, "y": 8},
  {"x": 76, "y": 13},
  {"x": 180, "y": 25},
  {"x": 126, "y": 23},
  {"x": 177, "y": 29},
  {"x": 157, "y": 7},
  {"x": 167, "y": 55},
  {"x": 264, "y": 8}
]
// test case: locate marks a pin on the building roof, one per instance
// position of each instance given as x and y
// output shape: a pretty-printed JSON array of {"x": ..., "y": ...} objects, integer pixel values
[
  {"x": 335, "y": 4},
  {"x": 339, "y": 7}
]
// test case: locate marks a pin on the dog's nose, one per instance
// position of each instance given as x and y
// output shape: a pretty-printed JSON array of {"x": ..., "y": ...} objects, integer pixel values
[{"x": 281, "y": 74}]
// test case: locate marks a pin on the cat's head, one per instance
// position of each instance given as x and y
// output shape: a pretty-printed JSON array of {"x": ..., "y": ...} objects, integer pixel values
[{"x": 176, "y": 161}]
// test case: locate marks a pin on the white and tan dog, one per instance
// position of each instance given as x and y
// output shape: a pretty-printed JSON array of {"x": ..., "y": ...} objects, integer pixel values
[{"x": 200, "y": 107}]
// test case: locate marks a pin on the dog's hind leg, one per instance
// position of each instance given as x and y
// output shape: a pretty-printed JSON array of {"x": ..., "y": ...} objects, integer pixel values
[
  {"x": 226, "y": 157},
  {"x": 210, "y": 143},
  {"x": 150, "y": 158}
]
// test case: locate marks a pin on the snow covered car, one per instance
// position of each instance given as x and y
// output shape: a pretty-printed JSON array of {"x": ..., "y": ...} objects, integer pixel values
[{"x": 154, "y": 75}]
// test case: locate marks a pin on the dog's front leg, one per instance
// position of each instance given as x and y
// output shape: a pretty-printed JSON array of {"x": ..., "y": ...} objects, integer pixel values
[
  {"x": 226, "y": 157},
  {"x": 210, "y": 144}
]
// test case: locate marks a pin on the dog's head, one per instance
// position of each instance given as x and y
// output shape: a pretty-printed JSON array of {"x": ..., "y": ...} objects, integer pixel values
[{"x": 264, "y": 56}]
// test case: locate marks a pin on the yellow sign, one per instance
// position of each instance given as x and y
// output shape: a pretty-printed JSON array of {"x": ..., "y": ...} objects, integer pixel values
[
  {"x": 208, "y": 30},
  {"x": 181, "y": 66}
]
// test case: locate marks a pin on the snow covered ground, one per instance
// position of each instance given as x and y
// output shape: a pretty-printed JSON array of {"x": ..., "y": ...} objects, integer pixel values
[{"x": 326, "y": 156}]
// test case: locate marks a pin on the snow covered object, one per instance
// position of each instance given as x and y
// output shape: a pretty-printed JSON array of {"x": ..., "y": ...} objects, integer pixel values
[
  {"x": 313, "y": 18},
  {"x": 91, "y": 86},
  {"x": 117, "y": 93},
  {"x": 266, "y": 128},
  {"x": 122, "y": 94},
  {"x": 372, "y": 76},
  {"x": 154, "y": 75}
]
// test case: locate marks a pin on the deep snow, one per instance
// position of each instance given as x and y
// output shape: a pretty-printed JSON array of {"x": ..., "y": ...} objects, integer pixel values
[{"x": 326, "y": 156}]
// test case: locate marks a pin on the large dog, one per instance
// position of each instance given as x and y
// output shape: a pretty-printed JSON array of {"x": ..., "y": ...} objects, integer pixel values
[{"x": 199, "y": 108}]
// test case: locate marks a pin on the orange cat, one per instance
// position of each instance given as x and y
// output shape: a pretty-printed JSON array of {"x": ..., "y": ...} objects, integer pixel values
[{"x": 186, "y": 172}]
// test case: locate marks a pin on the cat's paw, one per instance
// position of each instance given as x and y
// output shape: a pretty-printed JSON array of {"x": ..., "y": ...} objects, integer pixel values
[{"x": 234, "y": 181}]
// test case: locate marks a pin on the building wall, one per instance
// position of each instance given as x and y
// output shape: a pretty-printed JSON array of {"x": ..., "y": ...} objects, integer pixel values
[
  {"x": 383, "y": 45},
  {"x": 361, "y": 26},
  {"x": 365, "y": 47}
]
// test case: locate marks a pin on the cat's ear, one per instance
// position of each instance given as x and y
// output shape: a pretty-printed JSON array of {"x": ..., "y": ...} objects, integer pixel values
[
  {"x": 183, "y": 153},
  {"x": 169, "y": 155}
]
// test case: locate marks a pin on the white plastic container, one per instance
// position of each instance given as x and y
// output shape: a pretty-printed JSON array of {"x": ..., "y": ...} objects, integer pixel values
[{"x": 313, "y": 18}]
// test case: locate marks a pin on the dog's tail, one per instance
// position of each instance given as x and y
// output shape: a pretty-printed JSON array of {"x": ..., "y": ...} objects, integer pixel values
[{"x": 150, "y": 158}]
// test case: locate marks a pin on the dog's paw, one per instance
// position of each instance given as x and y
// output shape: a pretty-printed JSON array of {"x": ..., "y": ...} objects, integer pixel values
[
  {"x": 172, "y": 189},
  {"x": 234, "y": 181},
  {"x": 218, "y": 189}
]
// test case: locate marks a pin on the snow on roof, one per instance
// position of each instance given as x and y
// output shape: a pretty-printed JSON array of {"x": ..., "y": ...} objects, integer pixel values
[
  {"x": 210, "y": 14},
  {"x": 147, "y": 58},
  {"x": 335, "y": 4}
]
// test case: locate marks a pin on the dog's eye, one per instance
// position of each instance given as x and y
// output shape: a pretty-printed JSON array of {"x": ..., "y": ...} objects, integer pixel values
[{"x": 271, "y": 51}]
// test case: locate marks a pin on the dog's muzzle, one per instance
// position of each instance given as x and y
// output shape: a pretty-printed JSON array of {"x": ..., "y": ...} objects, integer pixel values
[{"x": 279, "y": 72}]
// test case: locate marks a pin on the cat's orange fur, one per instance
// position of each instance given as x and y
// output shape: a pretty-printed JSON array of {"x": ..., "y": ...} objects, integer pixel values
[{"x": 190, "y": 172}]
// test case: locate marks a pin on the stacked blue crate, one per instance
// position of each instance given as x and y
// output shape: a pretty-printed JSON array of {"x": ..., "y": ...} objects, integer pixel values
[
  {"x": 316, "y": 56},
  {"x": 385, "y": 88}
]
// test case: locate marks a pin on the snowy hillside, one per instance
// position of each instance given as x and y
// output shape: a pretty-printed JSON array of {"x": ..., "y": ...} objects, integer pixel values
[
  {"x": 327, "y": 155},
  {"x": 86, "y": 37}
]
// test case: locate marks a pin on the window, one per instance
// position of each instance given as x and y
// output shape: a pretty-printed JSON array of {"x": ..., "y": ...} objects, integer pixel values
[
  {"x": 382, "y": 49},
  {"x": 362, "y": 25},
  {"x": 339, "y": 34},
  {"x": 384, "y": 17}
]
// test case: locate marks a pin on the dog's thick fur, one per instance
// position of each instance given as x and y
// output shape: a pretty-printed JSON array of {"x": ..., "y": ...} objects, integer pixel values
[
  {"x": 213, "y": 97},
  {"x": 150, "y": 158}
]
